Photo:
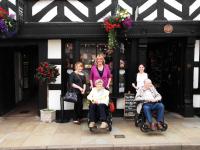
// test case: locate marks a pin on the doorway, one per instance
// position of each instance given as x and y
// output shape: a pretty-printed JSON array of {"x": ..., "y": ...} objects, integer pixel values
[
  {"x": 19, "y": 89},
  {"x": 165, "y": 68}
]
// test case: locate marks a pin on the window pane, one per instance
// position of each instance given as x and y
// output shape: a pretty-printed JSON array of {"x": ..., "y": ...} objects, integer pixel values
[
  {"x": 69, "y": 55},
  {"x": 122, "y": 69}
]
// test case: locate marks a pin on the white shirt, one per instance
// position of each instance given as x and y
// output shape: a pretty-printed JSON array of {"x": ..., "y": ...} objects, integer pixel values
[
  {"x": 140, "y": 79},
  {"x": 148, "y": 95},
  {"x": 100, "y": 96}
]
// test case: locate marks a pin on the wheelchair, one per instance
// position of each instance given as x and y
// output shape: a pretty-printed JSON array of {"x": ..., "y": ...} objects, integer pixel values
[
  {"x": 140, "y": 121},
  {"x": 108, "y": 121}
]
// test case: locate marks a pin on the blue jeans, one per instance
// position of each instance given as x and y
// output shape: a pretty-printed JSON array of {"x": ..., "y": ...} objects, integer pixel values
[{"x": 158, "y": 107}]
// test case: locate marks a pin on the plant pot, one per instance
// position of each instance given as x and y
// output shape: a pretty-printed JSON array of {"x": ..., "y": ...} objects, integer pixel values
[{"x": 47, "y": 115}]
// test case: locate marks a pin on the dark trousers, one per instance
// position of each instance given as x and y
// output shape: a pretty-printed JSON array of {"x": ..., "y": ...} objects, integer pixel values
[
  {"x": 97, "y": 112},
  {"x": 78, "y": 107}
]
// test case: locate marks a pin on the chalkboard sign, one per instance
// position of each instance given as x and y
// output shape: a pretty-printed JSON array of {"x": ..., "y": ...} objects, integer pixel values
[{"x": 129, "y": 105}]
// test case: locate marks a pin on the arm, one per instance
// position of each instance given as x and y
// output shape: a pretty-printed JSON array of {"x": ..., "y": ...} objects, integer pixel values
[
  {"x": 91, "y": 77},
  {"x": 91, "y": 84},
  {"x": 84, "y": 85},
  {"x": 90, "y": 96},
  {"x": 77, "y": 87},
  {"x": 157, "y": 96},
  {"x": 139, "y": 95},
  {"x": 109, "y": 77}
]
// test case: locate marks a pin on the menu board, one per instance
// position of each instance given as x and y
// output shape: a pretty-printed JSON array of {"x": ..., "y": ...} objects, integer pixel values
[{"x": 129, "y": 105}]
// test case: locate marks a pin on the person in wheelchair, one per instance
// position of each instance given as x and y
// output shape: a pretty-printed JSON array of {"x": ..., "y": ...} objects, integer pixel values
[
  {"x": 151, "y": 101},
  {"x": 99, "y": 99}
]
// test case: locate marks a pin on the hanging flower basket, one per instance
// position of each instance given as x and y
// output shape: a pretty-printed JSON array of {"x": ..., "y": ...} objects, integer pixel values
[
  {"x": 46, "y": 72},
  {"x": 121, "y": 20},
  {"x": 8, "y": 25}
]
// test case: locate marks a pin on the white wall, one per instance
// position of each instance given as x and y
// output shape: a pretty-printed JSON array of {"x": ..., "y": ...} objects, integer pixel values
[{"x": 196, "y": 97}]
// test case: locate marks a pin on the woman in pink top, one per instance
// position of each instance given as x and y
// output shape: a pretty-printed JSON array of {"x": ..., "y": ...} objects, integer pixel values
[{"x": 100, "y": 71}]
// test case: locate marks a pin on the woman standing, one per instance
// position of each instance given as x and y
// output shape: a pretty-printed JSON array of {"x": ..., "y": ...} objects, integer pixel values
[
  {"x": 141, "y": 76},
  {"x": 78, "y": 84},
  {"x": 100, "y": 71}
]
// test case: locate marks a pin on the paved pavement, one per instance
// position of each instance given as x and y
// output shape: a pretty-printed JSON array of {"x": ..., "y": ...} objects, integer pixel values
[{"x": 22, "y": 132}]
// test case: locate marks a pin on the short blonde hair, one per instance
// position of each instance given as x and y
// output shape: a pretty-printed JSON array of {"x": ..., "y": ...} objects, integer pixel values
[
  {"x": 77, "y": 64},
  {"x": 98, "y": 81},
  {"x": 100, "y": 56}
]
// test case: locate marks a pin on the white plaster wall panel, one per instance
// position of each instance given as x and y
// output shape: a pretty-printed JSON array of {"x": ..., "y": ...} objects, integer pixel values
[
  {"x": 102, "y": 19},
  {"x": 152, "y": 16},
  {"x": 13, "y": 2},
  {"x": 70, "y": 15},
  {"x": 102, "y": 6},
  {"x": 196, "y": 101},
  {"x": 175, "y": 4},
  {"x": 197, "y": 18},
  {"x": 171, "y": 16},
  {"x": 194, "y": 6},
  {"x": 146, "y": 5},
  {"x": 58, "y": 79},
  {"x": 40, "y": 5},
  {"x": 80, "y": 7},
  {"x": 196, "y": 77},
  {"x": 50, "y": 15},
  {"x": 54, "y": 49},
  {"x": 54, "y": 99},
  {"x": 11, "y": 12},
  {"x": 196, "y": 51},
  {"x": 125, "y": 6}
]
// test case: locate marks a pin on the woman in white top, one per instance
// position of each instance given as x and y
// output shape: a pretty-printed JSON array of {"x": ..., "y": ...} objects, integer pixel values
[{"x": 141, "y": 76}]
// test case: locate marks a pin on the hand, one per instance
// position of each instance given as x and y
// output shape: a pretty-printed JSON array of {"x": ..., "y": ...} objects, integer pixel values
[
  {"x": 107, "y": 87},
  {"x": 83, "y": 91},
  {"x": 91, "y": 86},
  {"x": 133, "y": 84}
]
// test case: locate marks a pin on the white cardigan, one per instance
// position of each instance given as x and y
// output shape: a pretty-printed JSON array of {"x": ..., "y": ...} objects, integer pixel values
[{"x": 99, "y": 96}]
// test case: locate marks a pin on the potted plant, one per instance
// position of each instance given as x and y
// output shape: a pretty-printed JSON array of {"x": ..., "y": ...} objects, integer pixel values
[{"x": 47, "y": 73}]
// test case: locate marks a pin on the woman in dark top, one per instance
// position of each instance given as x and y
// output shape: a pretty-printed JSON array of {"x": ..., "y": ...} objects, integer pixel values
[{"x": 78, "y": 84}]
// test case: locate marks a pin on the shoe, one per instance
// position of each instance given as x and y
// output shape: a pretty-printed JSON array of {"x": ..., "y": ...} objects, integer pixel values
[
  {"x": 91, "y": 124},
  {"x": 76, "y": 122},
  {"x": 103, "y": 125},
  {"x": 159, "y": 126},
  {"x": 152, "y": 127}
]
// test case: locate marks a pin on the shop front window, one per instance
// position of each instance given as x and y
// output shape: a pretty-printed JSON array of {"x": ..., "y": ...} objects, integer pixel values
[
  {"x": 69, "y": 48},
  {"x": 88, "y": 53},
  {"x": 122, "y": 69}
]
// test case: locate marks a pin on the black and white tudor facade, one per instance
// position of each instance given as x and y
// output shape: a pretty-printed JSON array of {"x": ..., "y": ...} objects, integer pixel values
[{"x": 165, "y": 36}]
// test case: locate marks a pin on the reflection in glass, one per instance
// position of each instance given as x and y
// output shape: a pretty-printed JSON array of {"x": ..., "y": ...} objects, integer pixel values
[{"x": 122, "y": 69}]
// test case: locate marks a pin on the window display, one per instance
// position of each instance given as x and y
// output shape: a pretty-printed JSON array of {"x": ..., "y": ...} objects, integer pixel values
[
  {"x": 88, "y": 53},
  {"x": 122, "y": 69}
]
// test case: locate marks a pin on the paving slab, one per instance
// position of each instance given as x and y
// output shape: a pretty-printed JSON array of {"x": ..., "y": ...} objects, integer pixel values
[{"x": 30, "y": 133}]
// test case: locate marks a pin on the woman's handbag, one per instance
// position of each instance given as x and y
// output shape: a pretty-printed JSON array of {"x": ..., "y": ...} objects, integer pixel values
[{"x": 70, "y": 96}]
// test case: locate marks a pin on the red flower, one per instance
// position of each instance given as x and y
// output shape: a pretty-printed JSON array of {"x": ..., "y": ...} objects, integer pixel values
[{"x": 46, "y": 72}]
